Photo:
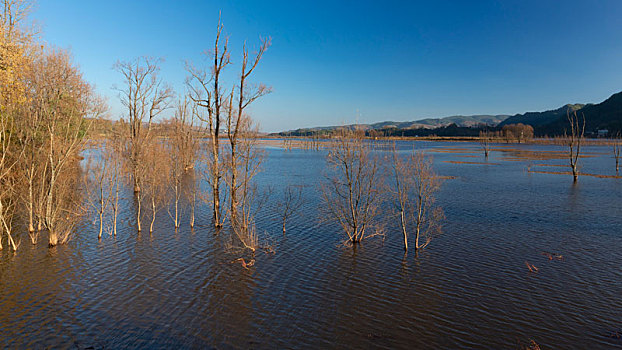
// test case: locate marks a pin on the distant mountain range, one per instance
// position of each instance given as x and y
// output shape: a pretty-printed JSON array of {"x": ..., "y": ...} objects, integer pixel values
[
  {"x": 537, "y": 119},
  {"x": 429, "y": 123},
  {"x": 605, "y": 115}
]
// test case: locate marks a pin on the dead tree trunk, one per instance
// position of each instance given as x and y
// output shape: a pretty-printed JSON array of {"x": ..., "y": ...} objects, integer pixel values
[
  {"x": 206, "y": 92},
  {"x": 574, "y": 143},
  {"x": 616, "y": 151},
  {"x": 484, "y": 141}
]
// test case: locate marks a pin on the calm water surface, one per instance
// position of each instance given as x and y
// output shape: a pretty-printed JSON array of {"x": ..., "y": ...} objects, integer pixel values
[{"x": 469, "y": 289}]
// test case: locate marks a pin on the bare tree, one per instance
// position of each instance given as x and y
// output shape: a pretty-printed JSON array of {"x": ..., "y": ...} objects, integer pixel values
[
  {"x": 102, "y": 185},
  {"x": 13, "y": 14},
  {"x": 240, "y": 130},
  {"x": 184, "y": 134},
  {"x": 7, "y": 182},
  {"x": 156, "y": 175},
  {"x": 66, "y": 101},
  {"x": 616, "y": 150},
  {"x": 206, "y": 91},
  {"x": 414, "y": 189},
  {"x": 182, "y": 149},
  {"x": 485, "y": 138},
  {"x": 114, "y": 159},
  {"x": 290, "y": 203},
  {"x": 352, "y": 191},
  {"x": 33, "y": 164},
  {"x": 145, "y": 96},
  {"x": 193, "y": 205},
  {"x": 16, "y": 60},
  {"x": 99, "y": 184},
  {"x": 519, "y": 132},
  {"x": 574, "y": 142},
  {"x": 243, "y": 163},
  {"x": 174, "y": 181},
  {"x": 45, "y": 94}
]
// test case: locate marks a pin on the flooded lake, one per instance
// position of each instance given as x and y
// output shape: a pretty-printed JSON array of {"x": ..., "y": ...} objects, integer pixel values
[{"x": 470, "y": 288}]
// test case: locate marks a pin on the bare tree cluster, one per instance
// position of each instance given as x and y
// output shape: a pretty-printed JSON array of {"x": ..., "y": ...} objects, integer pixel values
[
  {"x": 145, "y": 96},
  {"x": 356, "y": 189},
  {"x": 517, "y": 132},
  {"x": 182, "y": 148},
  {"x": 46, "y": 109},
  {"x": 415, "y": 184},
  {"x": 237, "y": 161},
  {"x": 353, "y": 187}
]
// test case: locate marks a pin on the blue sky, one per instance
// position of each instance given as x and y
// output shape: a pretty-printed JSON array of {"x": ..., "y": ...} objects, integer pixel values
[{"x": 331, "y": 61}]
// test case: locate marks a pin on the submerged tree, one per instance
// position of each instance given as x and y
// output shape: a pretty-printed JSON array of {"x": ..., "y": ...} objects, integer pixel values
[
  {"x": 16, "y": 57},
  {"x": 145, "y": 96},
  {"x": 616, "y": 151},
  {"x": 182, "y": 149},
  {"x": 485, "y": 138},
  {"x": 206, "y": 91},
  {"x": 100, "y": 184},
  {"x": 113, "y": 156},
  {"x": 574, "y": 141},
  {"x": 243, "y": 157},
  {"x": 352, "y": 191},
  {"x": 156, "y": 175},
  {"x": 415, "y": 184},
  {"x": 65, "y": 102},
  {"x": 243, "y": 164},
  {"x": 290, "y": 203},
  {"x": 50, "y": 107},
  {"x": 7, "y": 182}
]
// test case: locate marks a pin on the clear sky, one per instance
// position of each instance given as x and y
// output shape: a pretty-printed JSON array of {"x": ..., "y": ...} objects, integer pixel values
[{"x": 383, "y": 60}]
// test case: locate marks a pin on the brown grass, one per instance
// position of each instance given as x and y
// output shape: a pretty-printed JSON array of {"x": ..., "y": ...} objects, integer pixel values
[
  {"x": 547, "y": 165},
  {"x": 459, "y": 162},
  {"x": 449, "y": 149},
  {"x": 580, "y": 174},
  {"x": 522, "y": 155},
  {"x": 457, "y": 152}
]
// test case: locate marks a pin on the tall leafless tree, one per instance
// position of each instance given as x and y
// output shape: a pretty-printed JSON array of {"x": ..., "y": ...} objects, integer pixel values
[
  {"x": 205, "y": 87},
  {"x": 145, "y": 96},
  {"x": 240, "y": 131},
  {"x": 207, "y": 92}
]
